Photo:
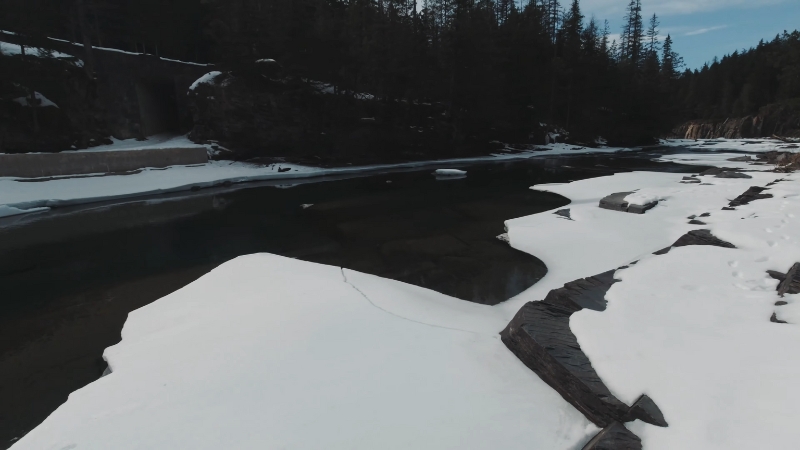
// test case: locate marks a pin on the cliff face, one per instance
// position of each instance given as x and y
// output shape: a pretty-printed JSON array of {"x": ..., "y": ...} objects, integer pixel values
[
  {"x": 269, "y": 115},
  {"x": 780, "y": 119}
]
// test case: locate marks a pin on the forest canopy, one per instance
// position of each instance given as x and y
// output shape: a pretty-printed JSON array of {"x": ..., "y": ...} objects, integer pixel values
[{"x": 497, "y": 64}]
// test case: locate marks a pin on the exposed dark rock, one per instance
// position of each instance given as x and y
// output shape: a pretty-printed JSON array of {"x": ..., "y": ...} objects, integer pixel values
[
  {"x": 563, "y": 213},
  {"x": 256, "y": 116},
  {"x": 688, "y": 180},
  {"x": 713, "y": 171},
  {"x": 791, "y": 284},
  {"x": 705, "y": 215},
  {"x": 780, "y": 276},
  {"x": 701, "y": 237},
  {"x": 541, "y": 338},
  {"x": 692, "y": 217},
  {"x": 752, "y": 194},
  {"x": 728, "y": 208},
  {"x": 616, "y": 202},
  {"x": 772, "y": 183},
  {"x": 781, "y": 303},
  {"x": 774, "y": 119},
  {"x": 614, "y": 437},
  {"x": 729, "y": 174},
  {"x": 741, "y": 159},
  {"x": 774, "y": 319},
  {"x": 646, "y": 410},
  {"x": 696, "y": 222}
]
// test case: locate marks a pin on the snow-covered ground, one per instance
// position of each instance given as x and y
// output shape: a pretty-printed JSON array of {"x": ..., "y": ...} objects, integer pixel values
[
  {"x": 158, "y": 141},
  {"x": 746, "y": 145},
  {"x": 269, "y": 352},
  {"x": 62, "y": 191}
]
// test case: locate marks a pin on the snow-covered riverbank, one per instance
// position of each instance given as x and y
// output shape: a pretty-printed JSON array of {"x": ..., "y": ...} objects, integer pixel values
[
  {"x": 266, "y": 351},
  {"x": 19, "y": 196}
]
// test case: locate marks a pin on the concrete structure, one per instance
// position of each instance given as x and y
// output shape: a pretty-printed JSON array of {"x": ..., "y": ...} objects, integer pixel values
[
  {"x": 33, "y": 165},
  {"x": 140, "y": 94}
]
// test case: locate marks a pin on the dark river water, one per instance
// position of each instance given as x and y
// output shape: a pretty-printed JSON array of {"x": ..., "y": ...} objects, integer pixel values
[{"x": 69, "y": 277}]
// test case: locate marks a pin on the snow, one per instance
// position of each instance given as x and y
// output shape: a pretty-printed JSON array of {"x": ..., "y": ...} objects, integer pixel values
[
  {"x": 185, "y": 62},
  {"x": 6, "y": 211},
  {"x": 645, "y": 196},
  {"x": 749, "y": 145},
  {"x": 271, "y": 352},
  {"x": 63, "y": 191},
  {"x": 7, "y": 48},
  {"x": 43, "y": 101},
  {"x": 158, "y": 141},
  {"x": 265, "y": 60},
  {"x": 692, "y": 330},
  {"x": 207, "y": 78},
  {"x": 450, "y": 172}
]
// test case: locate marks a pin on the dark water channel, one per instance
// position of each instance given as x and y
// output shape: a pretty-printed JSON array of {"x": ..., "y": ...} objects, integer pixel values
[{"x": 69, "y": 277}]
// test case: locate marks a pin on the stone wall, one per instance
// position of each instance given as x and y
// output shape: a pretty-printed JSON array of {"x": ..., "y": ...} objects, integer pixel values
[
  {"x": 780, "y": 119},
  {"x": 130, "y": 90},
  {"x": 31, "y": 165}
]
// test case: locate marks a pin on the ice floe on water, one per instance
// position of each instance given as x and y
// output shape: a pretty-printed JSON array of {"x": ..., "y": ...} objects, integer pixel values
[{"x": 271, "y": 352}]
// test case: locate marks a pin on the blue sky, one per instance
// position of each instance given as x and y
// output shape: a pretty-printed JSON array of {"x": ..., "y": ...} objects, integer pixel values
[{"x": 702, "y": 29}]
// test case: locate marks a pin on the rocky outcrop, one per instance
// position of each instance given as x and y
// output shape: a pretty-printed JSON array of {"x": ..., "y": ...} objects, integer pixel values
[
  {"x": 616, "y": 202},
  {"x": 781, "y": 119},
  {"x": 273, "y": 114},
  {"x": 540, "y": 336},
  {"x": 128, "y": 95},
  {"x": 752, "y": 194}
]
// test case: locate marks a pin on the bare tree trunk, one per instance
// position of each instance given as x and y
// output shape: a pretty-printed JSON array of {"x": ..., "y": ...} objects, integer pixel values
[
  {"x": 87, "y": 40},
  {"x": 32, "y": 101}
]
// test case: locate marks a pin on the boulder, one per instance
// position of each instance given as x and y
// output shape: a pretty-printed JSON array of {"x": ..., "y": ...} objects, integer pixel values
[{"x": 616, "y": 202}]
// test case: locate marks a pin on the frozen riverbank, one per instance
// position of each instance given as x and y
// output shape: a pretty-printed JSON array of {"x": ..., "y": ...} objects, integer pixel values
[
  {"x": 18, "y": 196},
  {"x": 258, "y": 370}
]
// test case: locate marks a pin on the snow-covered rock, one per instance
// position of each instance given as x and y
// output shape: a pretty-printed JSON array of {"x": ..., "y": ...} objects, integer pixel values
[{"x": 205, "y": 79}]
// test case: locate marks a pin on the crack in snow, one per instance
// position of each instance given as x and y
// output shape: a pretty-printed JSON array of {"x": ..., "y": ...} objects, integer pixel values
[{"x": 344, "y": 277}]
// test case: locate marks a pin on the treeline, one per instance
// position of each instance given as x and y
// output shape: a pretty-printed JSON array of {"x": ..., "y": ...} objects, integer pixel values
[
  {"x": 741, "y": 83},
  {"x": 496, "y": 65}
]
